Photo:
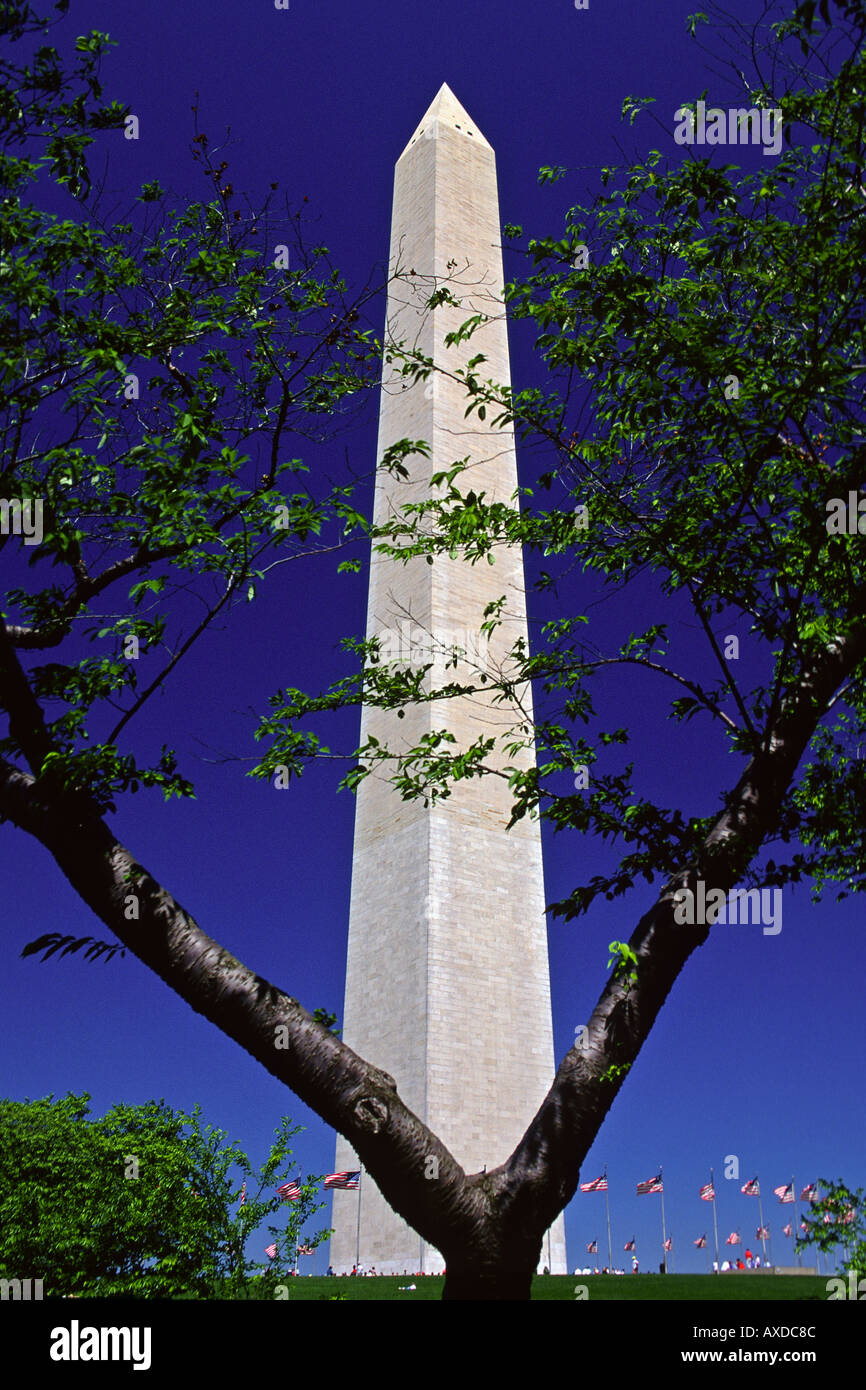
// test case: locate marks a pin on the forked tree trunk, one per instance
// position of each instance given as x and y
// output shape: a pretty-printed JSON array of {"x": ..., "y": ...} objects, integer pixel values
[{"x": 497, "y": 1264}]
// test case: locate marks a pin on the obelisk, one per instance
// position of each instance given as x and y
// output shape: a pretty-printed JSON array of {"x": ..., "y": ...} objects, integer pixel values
[{"x": 447, "y": 981}]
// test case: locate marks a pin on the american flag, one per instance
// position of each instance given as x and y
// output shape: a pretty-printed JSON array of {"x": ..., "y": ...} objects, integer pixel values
[
  {"x": 669, "y": 1243},
  {"x": 804, "y": 1227},
  {"x": 700, "y": 1242},
  {"x": 785, "y": 1194},
  {"x": 270, "y": 1251},
  {"x": 733, "y": 1238},
  {"x": 306, "y": 1250},
  {"x": 762, "y": 1233},
  {"x": 243, "y": 1195},
  {"x": 708, "y": 1193},
  {"x": 751, "y": 1188},
  {"x": 290, "y": 1191},
  {"x": 651, "y": 1185},
  {"x": 848, "y": 1217},
  {"x": 597, "y": 1185},
  {"x": 629, "y": 1245},
  {"x": 809, "y": 1193},
  {"x": 827, "y": 1218},
  {"x": 592, "y": 1248},
  {"x": 786, "y": 1230},
  {"x": 350, "y": 1182}
]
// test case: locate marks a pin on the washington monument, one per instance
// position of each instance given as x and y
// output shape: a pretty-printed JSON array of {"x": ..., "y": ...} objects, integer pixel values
[{"x": 447, "y": 982}]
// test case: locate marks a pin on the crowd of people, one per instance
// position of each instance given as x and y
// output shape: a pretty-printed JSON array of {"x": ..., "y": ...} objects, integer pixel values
[{"x": 751, "y": 1262}]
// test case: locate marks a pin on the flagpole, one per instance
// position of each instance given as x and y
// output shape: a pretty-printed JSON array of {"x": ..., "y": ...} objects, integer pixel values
[
  {"x": 813, "y": 1195},
  {"x": 298, "y": 1237},
  {"x": 715, "y": 1221},
  {"x": 796, "y": 1220},
  {"x": 664, "y": 1233},
  {"x": 761, "y": 1219},
  {"x": 607, "y": 1209},
  {"x": 358, "y": 1239},
  {"x": 770, "y": 1247}
]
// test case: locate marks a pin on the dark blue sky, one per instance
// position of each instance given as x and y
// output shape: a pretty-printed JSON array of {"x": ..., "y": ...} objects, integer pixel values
[{"x": 759, "y": 1053}]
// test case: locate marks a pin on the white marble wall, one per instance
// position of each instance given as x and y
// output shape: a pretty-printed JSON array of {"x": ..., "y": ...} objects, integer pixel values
[{"x": 447, "y": 977}]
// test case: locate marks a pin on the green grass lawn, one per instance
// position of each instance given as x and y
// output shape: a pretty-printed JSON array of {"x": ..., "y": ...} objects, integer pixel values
[{"x": 627, "y": 1287}]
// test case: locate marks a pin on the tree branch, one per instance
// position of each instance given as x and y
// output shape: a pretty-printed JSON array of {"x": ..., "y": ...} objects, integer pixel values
[
  {"x": 542, "y": 1174},
  {"x": 26, "y": 719},
  {"x": 352, "y": 1095}
]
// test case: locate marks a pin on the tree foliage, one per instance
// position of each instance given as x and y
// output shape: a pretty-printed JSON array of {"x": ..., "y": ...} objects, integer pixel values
[
  {"x": 836, "y": 1217},
  {"x": 141, "y": 1202},
  {"x": 152, "y": 374}
]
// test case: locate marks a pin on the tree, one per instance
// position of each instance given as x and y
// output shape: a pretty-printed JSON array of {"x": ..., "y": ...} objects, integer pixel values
[
  {"x": 836, "y": 1218},
  {"x": 137, "y": 1203},
  {"x": 720, "y": 426}
]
